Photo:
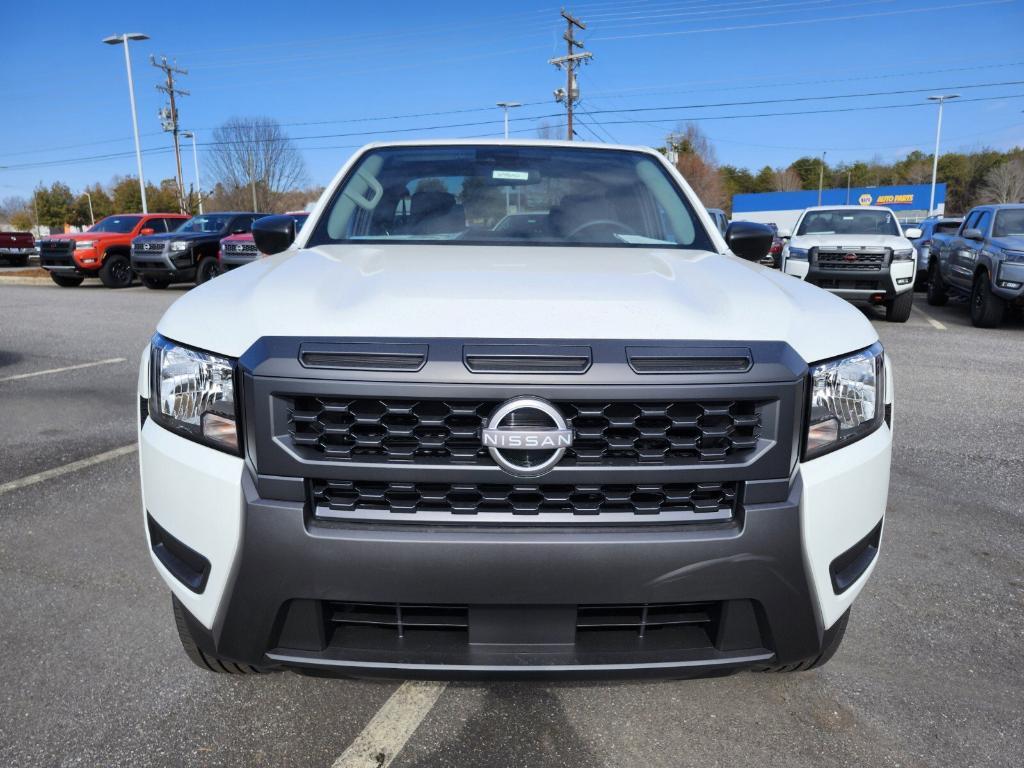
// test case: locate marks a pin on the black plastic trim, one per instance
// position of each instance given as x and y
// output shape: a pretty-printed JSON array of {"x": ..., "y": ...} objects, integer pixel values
[
  {"x": 851, "y": 565},
  {"x": 364, "y": 356},
  {"x": 689, "y": 360},
  {"x": 184, "y": 563},
  {"x": 526, "y": 358}
]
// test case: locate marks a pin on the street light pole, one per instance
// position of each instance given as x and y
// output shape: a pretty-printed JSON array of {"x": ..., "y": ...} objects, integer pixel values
[
  {"x": 92, "y": 218},
  {"x": 821, "y": 177},
  {"x": 938, "y": 135},
  {"x": 507, "y": 105},
  {"x": 195, "y": 162},
  {"x": 123, "y": 40}
]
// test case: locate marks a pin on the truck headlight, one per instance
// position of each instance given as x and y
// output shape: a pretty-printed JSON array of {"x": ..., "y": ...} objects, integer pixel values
[
  {"x": 798, "y": 253},
  {"x": 194, "y": 394},
  {"x": 847, "y": 400},
  {"x": 179, "y": 245},
  {"x": 904, "y": 254},
  {"x": 81, "y": 245}
]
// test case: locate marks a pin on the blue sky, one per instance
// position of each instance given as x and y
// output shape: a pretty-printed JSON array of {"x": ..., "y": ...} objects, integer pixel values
[{"x": 323, "y": 69}]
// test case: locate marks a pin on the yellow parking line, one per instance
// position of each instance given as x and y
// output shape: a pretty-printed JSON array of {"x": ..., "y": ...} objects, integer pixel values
[
  {"x": 931, "y": 320},
  {"x": 387, "y": 732}
]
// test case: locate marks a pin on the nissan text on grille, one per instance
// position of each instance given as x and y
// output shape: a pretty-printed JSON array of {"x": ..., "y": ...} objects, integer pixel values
[{"x": 519, "y": 409}]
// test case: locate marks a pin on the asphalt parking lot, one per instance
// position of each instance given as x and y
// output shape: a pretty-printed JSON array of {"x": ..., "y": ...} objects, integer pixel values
[{"x": 930, "y": 674}]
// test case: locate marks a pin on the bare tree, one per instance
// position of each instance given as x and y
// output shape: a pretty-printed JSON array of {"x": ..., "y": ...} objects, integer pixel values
[
  {"x": 1004, "y": 183},
  {"x": 694, "y": 156},
  {"x": 254, "y": 163},
  {"x": 786, "y": 180},
  {"x": 546, "y": 130}
]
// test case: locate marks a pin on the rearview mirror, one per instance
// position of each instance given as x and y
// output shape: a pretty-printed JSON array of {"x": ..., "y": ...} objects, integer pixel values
[
  {"x": 913, "y": 233},
  {"x": 239, "y": 231},
  {"x": 147, "y": 231},
  {"x": 748, "y": 240},
  {"x": 273, "y": 234},
  {"x": 973, "y": 234}
]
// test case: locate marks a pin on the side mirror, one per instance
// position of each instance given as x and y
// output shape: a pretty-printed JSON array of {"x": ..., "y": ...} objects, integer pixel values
[
  {"x": 748, "y": 240},
  {"x": 913, "y": 233},
  {"x": 147, "y": 231},
  {"x": 273, "y": 234},
  {"x": 785, "y": 234},
  {"x": 973, "y": 234}
]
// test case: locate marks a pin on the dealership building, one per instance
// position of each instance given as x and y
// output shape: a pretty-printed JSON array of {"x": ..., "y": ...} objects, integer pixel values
[{"x": 909, "y": 202}]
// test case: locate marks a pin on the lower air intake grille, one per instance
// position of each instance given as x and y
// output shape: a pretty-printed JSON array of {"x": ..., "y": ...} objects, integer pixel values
[{"x": 517, "y": 504}]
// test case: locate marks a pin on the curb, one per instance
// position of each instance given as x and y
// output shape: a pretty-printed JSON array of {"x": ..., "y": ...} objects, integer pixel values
[{"x": 24, "y": 280}]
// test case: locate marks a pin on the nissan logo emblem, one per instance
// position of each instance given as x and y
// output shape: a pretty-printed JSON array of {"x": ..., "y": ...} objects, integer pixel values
[
  {"x": 527, "y": 436},
  {"x": 850, "y": 257}
]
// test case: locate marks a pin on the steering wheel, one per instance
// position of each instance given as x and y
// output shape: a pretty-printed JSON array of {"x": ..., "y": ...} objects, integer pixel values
[{"x": 619, "y": 226}]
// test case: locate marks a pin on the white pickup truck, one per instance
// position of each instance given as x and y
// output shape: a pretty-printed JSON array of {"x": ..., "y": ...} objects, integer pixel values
[
  {"x": 860, "y": 253},
  {"x": 428, "y": 438}
]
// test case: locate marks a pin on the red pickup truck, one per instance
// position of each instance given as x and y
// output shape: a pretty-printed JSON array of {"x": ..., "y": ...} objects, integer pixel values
[
  {"x": 16, "y": 247},
  {"x": 103, "y": 250}
]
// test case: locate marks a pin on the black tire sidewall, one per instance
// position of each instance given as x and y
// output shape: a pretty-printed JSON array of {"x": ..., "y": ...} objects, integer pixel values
[{"x": 109, "y": 272}]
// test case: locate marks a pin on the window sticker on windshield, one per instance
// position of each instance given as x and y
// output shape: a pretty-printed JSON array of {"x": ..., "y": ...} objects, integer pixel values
[{"x": 511, "y": 175}]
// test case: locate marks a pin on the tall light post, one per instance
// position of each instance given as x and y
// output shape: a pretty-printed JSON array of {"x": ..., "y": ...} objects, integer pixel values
[
  {"x": 938, "y": 135},
  {"x": 821, "y": 176},
  {"x": 507, "y": 105},
  {"x": 92, "y": 218},
  {"x": 195, "y": 162},
  {"x": 123, "y": 40}
]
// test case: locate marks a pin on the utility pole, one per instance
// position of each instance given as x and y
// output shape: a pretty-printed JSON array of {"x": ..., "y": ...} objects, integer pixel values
[
  {"x": 571, "y": 62},
  {"x": 92, "y": 218},
  {"x": 169, "y": 115}
]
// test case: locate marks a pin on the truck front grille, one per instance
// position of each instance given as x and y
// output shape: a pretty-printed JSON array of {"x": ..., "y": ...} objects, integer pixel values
[
  {"x": 147, "y": 249},
  {"x": 449, "y": 431},
  {"x": 56, "y": 253},
  {"x": 522, "y": 503},
  {"x": 863, "y": 260}
]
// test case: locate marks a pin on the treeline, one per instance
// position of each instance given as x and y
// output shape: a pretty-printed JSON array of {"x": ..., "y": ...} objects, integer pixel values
[
  {"x": 256, "y": 167},
  {"x": 972, "y": 178},
  {"x": 57, "y": 206}
]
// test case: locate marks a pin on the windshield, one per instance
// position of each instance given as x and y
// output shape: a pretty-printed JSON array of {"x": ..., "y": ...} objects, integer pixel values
[
  {"x": 120, "y": 224},
  {"x": 844, "y": 221},
  {"x": 213, "y": 223},
  {"x": 1009, "y": 223},
  {"x": 505, "y": 195}
]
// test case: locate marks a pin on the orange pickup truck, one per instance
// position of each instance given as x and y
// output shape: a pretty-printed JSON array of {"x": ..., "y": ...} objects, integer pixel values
[{"x": 103, "y": 250}]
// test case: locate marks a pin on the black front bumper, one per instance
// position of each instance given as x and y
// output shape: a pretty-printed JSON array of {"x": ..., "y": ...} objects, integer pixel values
[
  {"x": 854, "y": 285},
  {"x": 739, "y": 591},
  {"x": 177, "y": 269}
]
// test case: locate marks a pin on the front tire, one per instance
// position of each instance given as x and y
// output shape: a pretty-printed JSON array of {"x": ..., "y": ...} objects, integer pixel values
[
  {"x": 207, "y": 270},
  {"x": 833, "y": 639},
  {"x": 199, "y": 657},
  {"x": 898, "y": 310},
  {"x": 116, "y": 271},
  {"x": 66, "y": 281},
  {"x": 937, "y": 293},
  {"x": 987, "y": 309}
]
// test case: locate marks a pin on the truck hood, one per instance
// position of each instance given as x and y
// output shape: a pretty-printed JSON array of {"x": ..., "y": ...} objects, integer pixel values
[
  {"x": 407, "y": 291},
  {"x": 850, "y": 241},
  {"x": 165, "y": 236}
]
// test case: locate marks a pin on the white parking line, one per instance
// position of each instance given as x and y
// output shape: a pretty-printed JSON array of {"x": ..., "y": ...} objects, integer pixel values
[
  {"x": 108, "y": 361},
  {"x": 73, "y": 466},
  {"x": 387, "y": 732},
  {"x": 931, "y": 320}
]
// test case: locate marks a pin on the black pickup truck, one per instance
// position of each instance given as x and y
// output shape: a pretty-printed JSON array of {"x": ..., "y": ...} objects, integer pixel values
[
  {"x": 984, "y": 261},
  {"x": 189, "y": 253}
]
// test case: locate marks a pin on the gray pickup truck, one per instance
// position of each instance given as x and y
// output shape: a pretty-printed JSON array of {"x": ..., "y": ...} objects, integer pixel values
[{"x": 984, "y": 261}]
